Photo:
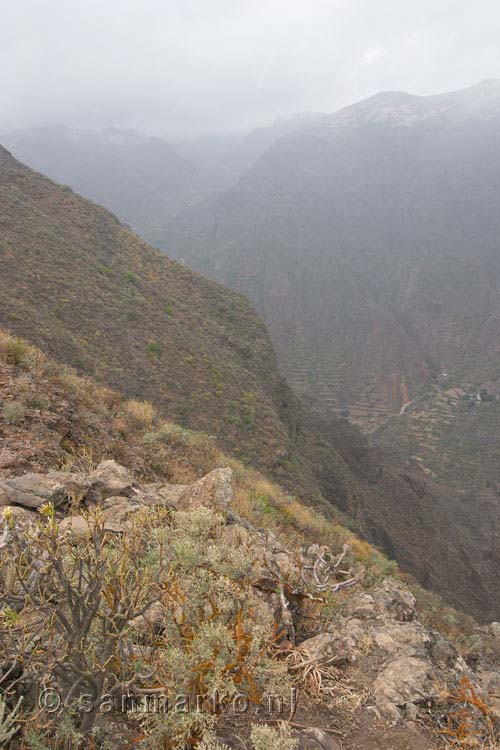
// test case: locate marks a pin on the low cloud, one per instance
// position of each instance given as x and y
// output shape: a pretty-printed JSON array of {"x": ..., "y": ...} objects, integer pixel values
[{"x": 191, "y": 66}]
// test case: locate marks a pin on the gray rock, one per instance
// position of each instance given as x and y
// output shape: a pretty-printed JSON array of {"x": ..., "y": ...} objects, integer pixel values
[
  {"x": 320, "y": 648},
  {"x": 151, "y": 621},
  {"x": 393, "y": 600},
  {"x": 314, "y": 738},
  {"x": 76, "y": 525},
  {"x": 109, "y": 478},
  {"x": 402, "y": 681},
  {"x": 33, "y": 490},
  {"x": 361, "y": 606}
]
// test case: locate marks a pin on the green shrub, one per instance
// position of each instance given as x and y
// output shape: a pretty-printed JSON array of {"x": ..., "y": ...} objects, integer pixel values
[
  {"x": 154, "y": 347},
  {"x": 14, "y": 413},
  {"x": 37, "y": 401},
  {"x": 265, "y": 737},
  {"x": 130, "y": 276},
  {"x": 106, "y": 271},
  {"x": 8, "y": 723}
]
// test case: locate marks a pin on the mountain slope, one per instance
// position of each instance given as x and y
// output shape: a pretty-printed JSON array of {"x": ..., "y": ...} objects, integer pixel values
[
  {"x": 76, "y": 282},
  {"x": 358, "y": 238}
]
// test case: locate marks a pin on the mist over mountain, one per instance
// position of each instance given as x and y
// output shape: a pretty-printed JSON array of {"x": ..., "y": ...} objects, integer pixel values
[
  {"x": 142, "y": 179},
  {"x": 95, "y": 296}
]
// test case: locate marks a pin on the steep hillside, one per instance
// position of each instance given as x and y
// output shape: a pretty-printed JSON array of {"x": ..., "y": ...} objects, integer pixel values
[
  {"x": 368, "y": 241},
  {"x": 144, "y": 180},
  {"x": 79, "y": 284},
  {"x": 141, "y": 179}
]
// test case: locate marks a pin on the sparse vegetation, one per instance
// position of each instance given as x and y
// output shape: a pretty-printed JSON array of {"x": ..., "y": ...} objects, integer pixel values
[{"x": 130, "y": 276}]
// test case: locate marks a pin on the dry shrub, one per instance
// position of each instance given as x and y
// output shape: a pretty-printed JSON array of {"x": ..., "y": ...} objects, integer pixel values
[
  {"x": 139, "y": 414},
  {"x": 468, "y": 723},
  {"x": 13, "y": 350}
]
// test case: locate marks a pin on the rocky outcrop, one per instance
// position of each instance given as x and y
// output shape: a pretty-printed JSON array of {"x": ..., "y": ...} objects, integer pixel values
[
  {"x": 372, "y": 645},
  {"x": 215, "y": 489},
  {"x": 378, "y": 636},
  {"x": 108, "y": 479}
]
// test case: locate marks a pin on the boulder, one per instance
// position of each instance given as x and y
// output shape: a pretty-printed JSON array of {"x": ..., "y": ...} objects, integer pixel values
[
  {"x": 213, "y": 490},
  {"x": 108, "y": 479},
  {"x": 116, "y": 511},
  {"x": 34, "y": 490},
  {"x": 151, "y": 621},
  {"x": 166, "y": 495},
  {"x": 320, "y": 648},
  {"x": 314, "y": 738},
  {"x": 76, "y": 525}
]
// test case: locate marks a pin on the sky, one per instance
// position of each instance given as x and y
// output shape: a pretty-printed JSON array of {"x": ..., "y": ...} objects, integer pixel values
[{"x": 182, "y": 68}]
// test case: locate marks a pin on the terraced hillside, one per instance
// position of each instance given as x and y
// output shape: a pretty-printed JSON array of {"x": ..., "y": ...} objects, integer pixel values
[{"x": 454, "y": 433}]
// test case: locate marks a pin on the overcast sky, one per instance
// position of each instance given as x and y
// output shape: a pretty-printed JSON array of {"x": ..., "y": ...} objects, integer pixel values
[{"x": 177, "y": 67}]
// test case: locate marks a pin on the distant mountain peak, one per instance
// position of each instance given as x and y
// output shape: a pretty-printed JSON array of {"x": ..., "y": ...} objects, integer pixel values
[
  {"x": 487, "y": 84},
  {"x": 400, "y": 108}
]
